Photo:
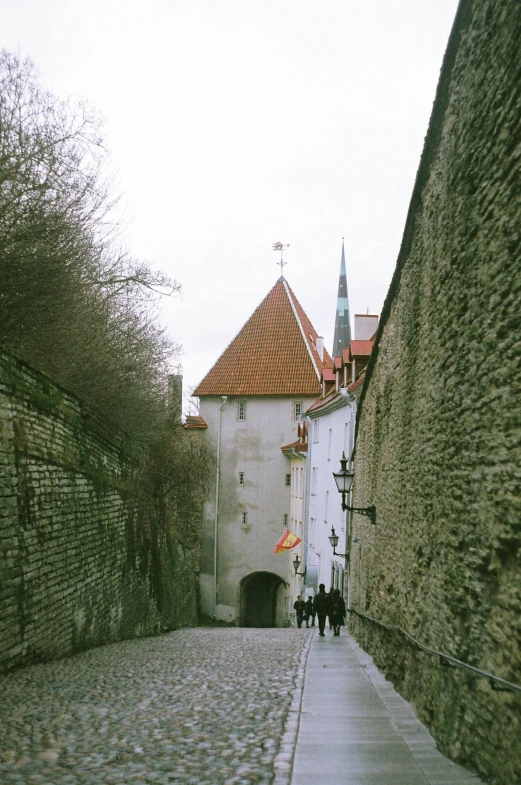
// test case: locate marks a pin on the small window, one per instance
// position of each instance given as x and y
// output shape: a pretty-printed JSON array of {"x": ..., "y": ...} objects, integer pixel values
[
  {"x": 244, "y": 518},
  {"x": 297, "y": 411},
  {"x": 285, "y": 519},
  {"x": 329, "y": 439},
  {"x": 312, "y": 530},
  {"x": 316, "y": 430},
  {"x": 241, "y": 478},
  {"x": 314, "y": 471},
  {"x": 241, "y": 411},
  {"x": 288, "y": 479}
]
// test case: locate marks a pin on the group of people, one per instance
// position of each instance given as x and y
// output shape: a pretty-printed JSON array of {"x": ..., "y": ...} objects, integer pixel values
[{"x": 322, "y": 606}]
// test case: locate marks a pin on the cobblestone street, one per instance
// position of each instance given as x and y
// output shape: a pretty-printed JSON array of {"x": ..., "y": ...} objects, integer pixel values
[{"x": 196, "y": 706}]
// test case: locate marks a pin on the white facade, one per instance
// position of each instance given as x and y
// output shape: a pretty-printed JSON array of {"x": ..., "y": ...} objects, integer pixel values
[
  {"x": 297, "y": 465},
  {"x": 331, "y": 433},
  {"x": 242, "y": 580}
]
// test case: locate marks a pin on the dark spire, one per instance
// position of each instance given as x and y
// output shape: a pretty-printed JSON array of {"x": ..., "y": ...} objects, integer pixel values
[{"x": 342, "y": 337}]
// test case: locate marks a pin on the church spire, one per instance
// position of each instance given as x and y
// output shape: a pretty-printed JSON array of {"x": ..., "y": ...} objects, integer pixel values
[{"x": 342, "y": 338}]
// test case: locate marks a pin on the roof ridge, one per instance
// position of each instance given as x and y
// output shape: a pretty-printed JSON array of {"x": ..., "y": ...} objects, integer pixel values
[{"x": 286, "y": 287}]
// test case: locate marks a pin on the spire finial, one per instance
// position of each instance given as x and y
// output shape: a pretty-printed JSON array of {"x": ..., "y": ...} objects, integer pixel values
[{"x": 280, "y": 247}]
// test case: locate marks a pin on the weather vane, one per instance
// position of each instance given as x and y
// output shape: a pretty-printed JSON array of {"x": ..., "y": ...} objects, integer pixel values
[{"x": 280, "y": 247}]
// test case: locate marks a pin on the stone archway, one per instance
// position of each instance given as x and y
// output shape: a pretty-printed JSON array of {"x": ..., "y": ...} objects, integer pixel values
[{"x": 261, "y": 600}]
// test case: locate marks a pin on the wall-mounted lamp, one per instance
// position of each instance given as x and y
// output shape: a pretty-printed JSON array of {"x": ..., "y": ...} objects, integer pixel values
[
  {"x": 296, "y": 565},
  {"x": 333, "y": 539},
  {"x": 344, "y": 482}
]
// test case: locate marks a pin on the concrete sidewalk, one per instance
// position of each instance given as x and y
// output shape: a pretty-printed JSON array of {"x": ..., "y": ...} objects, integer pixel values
[{"x": 355, "y": 729}]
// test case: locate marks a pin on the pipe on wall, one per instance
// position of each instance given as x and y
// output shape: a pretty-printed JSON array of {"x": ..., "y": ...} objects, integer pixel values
[{"x": 216, "y": 518}]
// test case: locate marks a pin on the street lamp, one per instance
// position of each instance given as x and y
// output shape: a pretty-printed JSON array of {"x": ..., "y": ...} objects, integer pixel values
[
  {"x": 344, "y": 482},
  {"x": 296, "y": 565},
  {"x": 333, "y": 539}
]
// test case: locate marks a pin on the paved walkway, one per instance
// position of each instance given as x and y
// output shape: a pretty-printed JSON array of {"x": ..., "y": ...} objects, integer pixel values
[
  {"x": 224, "y": 706},
  {"x": 355, "y": 729}
]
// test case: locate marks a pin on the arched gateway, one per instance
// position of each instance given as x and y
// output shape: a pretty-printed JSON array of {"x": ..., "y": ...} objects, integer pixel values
[{"x": 262, "y": 600}]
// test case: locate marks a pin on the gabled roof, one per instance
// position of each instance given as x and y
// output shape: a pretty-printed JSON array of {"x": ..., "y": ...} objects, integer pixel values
[
  {"x": 328, "y": 375},
  {"x": 273, "y": 354},
  {"x": 361, "y": 348}
]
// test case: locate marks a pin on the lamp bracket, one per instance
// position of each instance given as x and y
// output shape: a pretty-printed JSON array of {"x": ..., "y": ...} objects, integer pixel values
[{"x": 369, "y": 512}]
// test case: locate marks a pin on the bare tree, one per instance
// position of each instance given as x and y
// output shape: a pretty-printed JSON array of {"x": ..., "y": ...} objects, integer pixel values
[{"x": 72, "y": 301}]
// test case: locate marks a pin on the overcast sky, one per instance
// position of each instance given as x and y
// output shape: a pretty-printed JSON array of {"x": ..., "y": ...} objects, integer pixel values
[{"x": 233, "y": 124}]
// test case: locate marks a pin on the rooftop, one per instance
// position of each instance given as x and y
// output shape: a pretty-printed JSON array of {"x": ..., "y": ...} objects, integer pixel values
[{"x": 275, "y": 353}]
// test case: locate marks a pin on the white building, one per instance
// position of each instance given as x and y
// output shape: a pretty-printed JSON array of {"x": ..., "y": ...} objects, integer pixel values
[
  {"x": 332, "y": 420},
  {"x": 251, "y": 401}
]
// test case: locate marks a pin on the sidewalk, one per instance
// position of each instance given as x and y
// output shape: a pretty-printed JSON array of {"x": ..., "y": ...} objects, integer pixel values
[{"x": 355, "y": 729}]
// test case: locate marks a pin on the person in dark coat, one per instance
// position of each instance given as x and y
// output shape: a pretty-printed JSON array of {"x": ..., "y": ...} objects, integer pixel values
[
  {"x": 300, "y": 606},
  {"x": 321, "y": 605},
  {"x": 310, "y": 612},
  {"x": 338, "y": 611}
]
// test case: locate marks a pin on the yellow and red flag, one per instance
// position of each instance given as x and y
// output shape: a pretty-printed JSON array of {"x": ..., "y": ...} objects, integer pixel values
[{"x": 286, "y": 542}]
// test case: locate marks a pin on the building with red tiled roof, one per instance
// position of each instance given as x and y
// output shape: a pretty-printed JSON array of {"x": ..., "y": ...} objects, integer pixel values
[{"x": 251, "y": 400}]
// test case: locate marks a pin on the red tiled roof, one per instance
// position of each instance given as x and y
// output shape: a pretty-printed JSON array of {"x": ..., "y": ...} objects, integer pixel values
[
  {"x": 338, "y": 363},
  {"x": 298, "y": 446},
  {"x": 195, "y": 422},
  {"x": 321, "y": 403},
  {"x": 328, "y": 375},
  {"x": 361, "y": 348},
  {"x": 346, "y": 355},
  {"x": 273, "y": 354},
  {"x": 355, "y": 385}
]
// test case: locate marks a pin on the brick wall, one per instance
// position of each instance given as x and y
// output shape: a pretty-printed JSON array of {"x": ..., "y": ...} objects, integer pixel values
[
  {"x": 439, "y": 431},
  {"x": 84, "y": 557}
]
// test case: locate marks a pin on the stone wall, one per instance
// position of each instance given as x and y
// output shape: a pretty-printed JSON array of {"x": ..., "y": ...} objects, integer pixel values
[
  {"x": 438, "y": 446},
  {"x": 84, "y": 556}
]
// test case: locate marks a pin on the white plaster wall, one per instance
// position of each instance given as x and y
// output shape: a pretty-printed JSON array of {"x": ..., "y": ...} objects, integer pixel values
[
  {"x": 297, "y": 504},
  {"x": 252, "y": 447},
  {"x": 325, "y": 504}
]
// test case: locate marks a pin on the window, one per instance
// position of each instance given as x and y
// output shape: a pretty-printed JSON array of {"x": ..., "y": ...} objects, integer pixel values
[
  {"x": 286, "y": 519},
  {"x": 347, "y": 450},
  {"x": 241, "y": 478},
  {"x": 301, "y": 483},
  {"x": 241, "y": 411},
  {"x": 314, "y": 472},
  {"x": 297, "y": 411},
  {"x": 288, "y": 479},
  {"x": 316, "y": 430},
  {"x": 244, "y": 518},
  {"x": 329, "y": 439},
  {"x": 312, "y": 531},
  {"x": 326, "y": 506}
]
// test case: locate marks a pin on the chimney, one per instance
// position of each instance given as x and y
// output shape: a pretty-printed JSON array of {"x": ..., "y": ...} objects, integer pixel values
[
  {"x": 175, "y": 394},
  {"x": 319, "y": 346}
]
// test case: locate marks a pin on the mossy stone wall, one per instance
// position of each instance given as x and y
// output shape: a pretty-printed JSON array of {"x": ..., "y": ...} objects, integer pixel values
[
  {"x": 85, "y": 556},
  {"x": 438, "y": 447}
]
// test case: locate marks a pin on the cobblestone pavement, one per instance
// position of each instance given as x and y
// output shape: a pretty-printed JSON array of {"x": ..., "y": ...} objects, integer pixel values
[{"x": 199, "y": 706}]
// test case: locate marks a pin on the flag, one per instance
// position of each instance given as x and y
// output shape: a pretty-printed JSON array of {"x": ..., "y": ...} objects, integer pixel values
[{"x": 286, "y": 542}]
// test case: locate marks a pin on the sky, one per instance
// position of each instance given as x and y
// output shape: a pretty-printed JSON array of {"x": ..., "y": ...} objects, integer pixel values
[{"x": 235, "y": 124}]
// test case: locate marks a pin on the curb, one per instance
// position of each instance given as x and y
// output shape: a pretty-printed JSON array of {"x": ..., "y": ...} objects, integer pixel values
[{"x": 283, "y": 763}]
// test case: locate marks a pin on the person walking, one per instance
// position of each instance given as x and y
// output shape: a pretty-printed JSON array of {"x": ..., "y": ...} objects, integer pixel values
[
  {"x": 330, "y": 595},
  {"x": 338, "y": 611},
  {"x": 310, "y": 612},
  {"x": 300, "y": 606},
  {"x": 321, "y": 605}
]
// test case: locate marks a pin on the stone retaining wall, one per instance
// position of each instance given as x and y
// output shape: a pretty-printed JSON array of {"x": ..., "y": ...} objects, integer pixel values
[
  {"x": 84, "y": 559},
  {"x": 438, "y": 446}
]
